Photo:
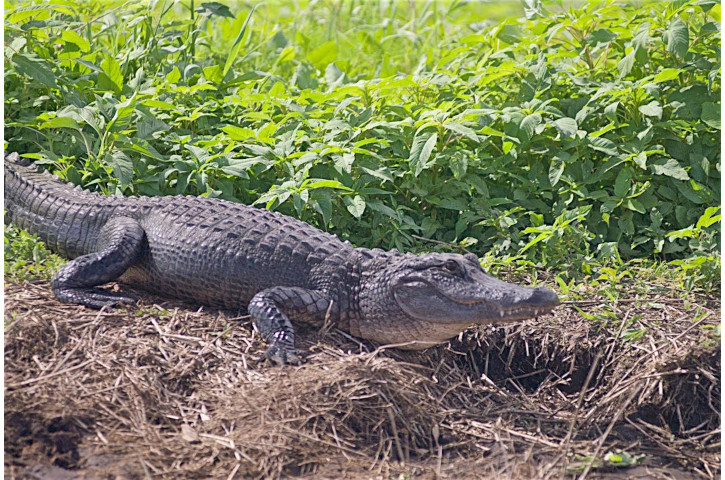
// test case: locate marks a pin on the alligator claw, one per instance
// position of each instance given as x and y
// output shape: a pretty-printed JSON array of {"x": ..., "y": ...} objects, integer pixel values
[
  {"x": 280, "y": 356},
  {"x": 120, "y": 301},
  {"x": 95, "y": 298}
]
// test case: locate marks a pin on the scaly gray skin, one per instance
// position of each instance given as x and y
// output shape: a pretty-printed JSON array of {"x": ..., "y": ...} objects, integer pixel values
[{"x": 233, "y": 256}]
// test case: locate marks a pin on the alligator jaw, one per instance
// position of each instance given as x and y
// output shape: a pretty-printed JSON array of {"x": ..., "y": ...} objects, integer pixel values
[{"x": 483, "y": 302}]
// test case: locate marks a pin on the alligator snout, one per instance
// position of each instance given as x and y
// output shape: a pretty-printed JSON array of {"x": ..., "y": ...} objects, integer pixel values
[{"x": 544, "y": 297}]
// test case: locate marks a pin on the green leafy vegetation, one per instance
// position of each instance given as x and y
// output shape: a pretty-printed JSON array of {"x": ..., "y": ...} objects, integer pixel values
[
  {"x": 26, "y": 258},
  {"x": 572, "y": 139},
  {"x": 619, "y": 459}
]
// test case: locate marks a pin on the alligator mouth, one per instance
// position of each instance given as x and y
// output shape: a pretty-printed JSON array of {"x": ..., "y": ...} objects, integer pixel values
[{"x": 417, "y": 295}]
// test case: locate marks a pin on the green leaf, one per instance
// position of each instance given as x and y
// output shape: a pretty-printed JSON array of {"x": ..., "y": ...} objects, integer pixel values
[
  {"x": 238, "y": 166},
  {"x": 209, "y": 9},
  {"x": 458, "y": 165},
  {"x": 529, "y": 123},
  {"x": 557, "y": 167},
  {"x": 160, "y": 105},
  {"x": 640, "y": 160},
  {"x": 71, "y": 36},
  {"x": 20, "y": 14},
  {"x": 277, "y": 90},
  {"x": 601, "y": 35},
  {"x": 144, "y": 148},
  {"x": 122, "y": 166},
  {"x": 234, "y": 51},
  {"x": 623, "y": 182},
  {"x": 173, "y": 76},
  {"x": 708, "y": 218},
  {"x": 695, "y": 195},
  {"x": 539, "y": 238},
  {"x": 492, "y": 132},
  {"x": 379, "y": 206},
  {"x": 287, "y": 55},
  {"x": 93, "y": 118},
  {"x": 462, "y": 130},
  {"x": 199, "y": 153},
  {"x": 678, "y": 38},
  {"x": 279, "y": 40},
  {"x": 326, "y": 184},
  {"x": 323, "y": 205},
  {"x": 640, "y": 43},
  {"x": 35, "y": 68},
  {"x": 150, "y": 125},
  {"x": 611, "y": 111},
  {"x": 635, "y": 205},
  {"x": 711, "y": 114},
  {"x": 88, "y": 65},
  {"x": 510, "y": 33},
  {"x": 111, "y": 78},
  {"x": 213, "y": 74},
  {"x": 59, "y": 122},
  {"x": 382, "y": 173},
  {"x": 333, "y": 75},
  {"x": 420, "y": 152},
  {"x": 671, "y": 168},
  {"x": 652, "y": 109},
  {"x": 355, "y": 205},
  {"x": 625, "y": 65},
  {"x": 626, "y": 224},
  {"x": 537, "y": 220},
  {"x": 122, "y": 115},
  {"x": 598, "y": 133},
  {"x": 667, "y": 74},
  {"x": 305, "y": 76},
  {"x": 532, "y": 9},
  {"x": 567, "y": 127},
  {"x": 603, "y": 145},
  {"x": 623, "y": 459},
  {"x": 321, "y": 56},
  {"x": 238, "y": 133},
  {"x": 608, "y": 206}
]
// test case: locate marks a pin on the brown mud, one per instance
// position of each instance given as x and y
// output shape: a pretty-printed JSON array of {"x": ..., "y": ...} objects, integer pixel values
[{"x": 168, "y": 390}]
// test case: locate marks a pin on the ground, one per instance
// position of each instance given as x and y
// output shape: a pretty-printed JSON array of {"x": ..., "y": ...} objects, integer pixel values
[{"x": 169, "y": 390}]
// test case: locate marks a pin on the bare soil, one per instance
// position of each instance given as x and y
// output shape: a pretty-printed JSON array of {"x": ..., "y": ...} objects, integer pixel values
[{"x": 168, "y": 390}]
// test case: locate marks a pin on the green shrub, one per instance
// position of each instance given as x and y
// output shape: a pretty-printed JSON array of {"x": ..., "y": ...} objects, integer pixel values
[
  {"x": 26, "y": 258},
  {"x": 562, "y": 138}
]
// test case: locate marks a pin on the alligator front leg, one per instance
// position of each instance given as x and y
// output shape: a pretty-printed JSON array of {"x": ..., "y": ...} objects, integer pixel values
[
  {"x": 119, "y": 245},
  {"x": 269, "y": 309}
]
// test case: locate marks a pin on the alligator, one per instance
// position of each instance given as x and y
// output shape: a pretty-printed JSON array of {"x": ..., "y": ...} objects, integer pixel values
[{"x": 234, "y": 256}]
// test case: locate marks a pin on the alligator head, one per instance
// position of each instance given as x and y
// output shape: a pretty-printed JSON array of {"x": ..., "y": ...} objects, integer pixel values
[{"x": 426, "y": 299}]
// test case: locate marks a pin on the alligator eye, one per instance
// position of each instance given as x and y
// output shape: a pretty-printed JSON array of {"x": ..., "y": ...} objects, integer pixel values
[{"x": 451, "y": 266}]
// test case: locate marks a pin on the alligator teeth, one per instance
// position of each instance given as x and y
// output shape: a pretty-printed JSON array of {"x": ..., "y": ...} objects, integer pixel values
[{"x": 501, "y": 313}]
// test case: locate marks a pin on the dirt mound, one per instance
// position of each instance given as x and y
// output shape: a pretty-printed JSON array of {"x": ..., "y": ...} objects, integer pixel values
[{"x": 171, "y": 391}]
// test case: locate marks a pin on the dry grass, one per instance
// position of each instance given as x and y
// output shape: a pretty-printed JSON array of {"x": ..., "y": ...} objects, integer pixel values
[{"x": 170, "y": 391}]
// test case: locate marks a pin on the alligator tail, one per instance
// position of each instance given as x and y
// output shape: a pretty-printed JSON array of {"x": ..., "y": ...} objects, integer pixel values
[{"x": 64, "y": 217}]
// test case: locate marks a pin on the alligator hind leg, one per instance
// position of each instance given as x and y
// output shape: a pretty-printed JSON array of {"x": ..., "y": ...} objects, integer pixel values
[
  {"x": 269, "y": 309},
  {"x": 119, "y": 244}
]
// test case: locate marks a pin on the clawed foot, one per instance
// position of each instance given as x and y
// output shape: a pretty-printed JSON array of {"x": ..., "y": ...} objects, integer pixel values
[
  {"x": 95, "y": 298},
  {"x": 280, "y": 355}
]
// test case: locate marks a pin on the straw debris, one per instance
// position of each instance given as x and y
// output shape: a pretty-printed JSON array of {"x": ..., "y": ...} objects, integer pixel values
[{"x": 169, "y": 390}]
